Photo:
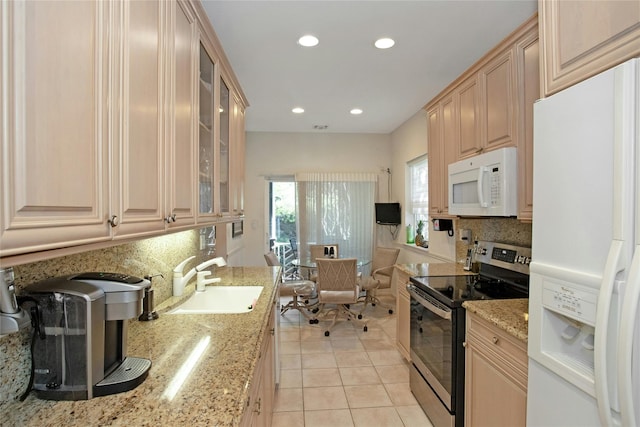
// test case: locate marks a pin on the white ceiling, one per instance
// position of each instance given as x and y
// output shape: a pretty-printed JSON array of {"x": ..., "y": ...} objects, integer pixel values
[{"x": 435, "y": 42}]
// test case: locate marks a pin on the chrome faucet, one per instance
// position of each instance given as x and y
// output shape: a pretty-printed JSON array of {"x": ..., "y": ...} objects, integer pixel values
[{"x": 180, "y": 280}]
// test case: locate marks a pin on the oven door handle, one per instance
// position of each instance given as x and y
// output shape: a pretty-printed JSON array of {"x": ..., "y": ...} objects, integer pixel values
[{"x": 428, "y": 305}]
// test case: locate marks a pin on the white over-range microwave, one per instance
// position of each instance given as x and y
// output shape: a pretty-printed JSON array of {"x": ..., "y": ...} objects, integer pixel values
[{"x": 484, "y": 185}]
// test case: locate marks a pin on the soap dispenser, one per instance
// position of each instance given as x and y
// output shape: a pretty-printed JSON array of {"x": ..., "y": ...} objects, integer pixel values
[{"x": 148, "y": 308}]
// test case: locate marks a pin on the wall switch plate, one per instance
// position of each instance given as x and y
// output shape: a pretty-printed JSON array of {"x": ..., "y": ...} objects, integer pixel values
[{"x": 465, "y": 236}]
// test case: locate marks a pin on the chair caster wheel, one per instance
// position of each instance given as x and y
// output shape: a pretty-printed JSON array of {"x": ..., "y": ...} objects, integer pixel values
[
  {"x": 420, "y": 330},
  {"x": 359, "y": 316},
  {"x": 373, "y": 304},
  {"x": 365, "y": 329},
  {"x": 390, "y": 311},
  {"x": 315, "y": 310},
  {"x": 326, "y": 333}
]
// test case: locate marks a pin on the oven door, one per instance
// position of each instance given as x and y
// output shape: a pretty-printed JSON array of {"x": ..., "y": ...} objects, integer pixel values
[{"x": 433, "y": 339}]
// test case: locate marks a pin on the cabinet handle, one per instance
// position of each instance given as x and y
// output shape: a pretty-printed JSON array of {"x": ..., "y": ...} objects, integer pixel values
[
  {"x": 258, "y": 408},
  {"x": 170, "y": 218},
  {"x": 464, "y": 344},
  {"x": 114, "y": 221},
  {"x": 273, "y": 331},
  {"x": 495, "y": 340}
]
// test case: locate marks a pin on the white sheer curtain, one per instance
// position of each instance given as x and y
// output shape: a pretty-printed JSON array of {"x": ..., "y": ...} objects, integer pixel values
[{"x": 336, "y": 208}]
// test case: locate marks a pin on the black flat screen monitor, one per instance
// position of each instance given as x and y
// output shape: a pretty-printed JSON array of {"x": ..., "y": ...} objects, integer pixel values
[{"x": 388, "y": 213}]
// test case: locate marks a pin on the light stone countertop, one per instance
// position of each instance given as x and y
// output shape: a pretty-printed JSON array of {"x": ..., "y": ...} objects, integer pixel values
[
  {"x": 510, "y": 315},
  {"x": 434, "y": 269},
  {"x": 214, "y": 392}
]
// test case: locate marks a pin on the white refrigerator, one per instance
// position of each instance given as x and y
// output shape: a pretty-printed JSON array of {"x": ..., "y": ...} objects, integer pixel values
[{"x": 585, "y": 269}]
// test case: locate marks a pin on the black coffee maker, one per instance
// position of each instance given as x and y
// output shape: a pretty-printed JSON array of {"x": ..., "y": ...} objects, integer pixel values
[{"x": 81, "y": 335}]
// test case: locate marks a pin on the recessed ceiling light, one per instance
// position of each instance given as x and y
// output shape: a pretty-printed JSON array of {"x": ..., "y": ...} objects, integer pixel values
[
  {"x": 308, "y": 41},
  {"x": 384, "y": 43},
  {"x": 356, "y": 111},
  {"x": 298, "y": 110}
]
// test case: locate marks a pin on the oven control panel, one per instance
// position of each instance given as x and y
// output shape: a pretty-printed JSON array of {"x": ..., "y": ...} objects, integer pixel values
[{"x": 511, "y": 257}]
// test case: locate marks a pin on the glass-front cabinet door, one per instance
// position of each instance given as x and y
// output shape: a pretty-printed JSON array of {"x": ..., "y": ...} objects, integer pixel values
[
  {"x": 224, "y": 147},
  {"x": 206, "y": 154}
]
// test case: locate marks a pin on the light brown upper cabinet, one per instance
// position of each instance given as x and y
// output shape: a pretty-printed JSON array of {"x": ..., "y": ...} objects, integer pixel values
[
  {"x": 182, "y": 123},
  {"x": 224, "y": 143},
  {"x": 237, "y": 159},
  {"x": 435, "y": 159},
  {"x": 527, "y": 54},
  {"x": 468, "y": 118},
  {"x": 489, "y": 106},
  {"x": 206, "y": 145},
  {"x": 54, "y": 117},
  {"x": 99, "y": 111},
  {"x": 138, "y": 199},
  {"x": 498, "y": 118},
  {"x": 582, "y": 38}
]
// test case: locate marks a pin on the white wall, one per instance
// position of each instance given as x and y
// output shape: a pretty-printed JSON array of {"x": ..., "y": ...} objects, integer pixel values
[
  {"x": 278, "y": 154},
  {"x": 409, "y": 141}
]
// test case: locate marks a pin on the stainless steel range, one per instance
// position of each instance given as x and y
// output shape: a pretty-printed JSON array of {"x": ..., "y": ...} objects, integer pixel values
[{"x": 438, "y": 325}]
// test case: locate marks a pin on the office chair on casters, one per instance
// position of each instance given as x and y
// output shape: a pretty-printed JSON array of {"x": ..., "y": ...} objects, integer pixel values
[
  {"x": 380, "y": 278},
  {"x": 304, "y": 289},
  {"x": 328, "y": 250},
  {"x": 337, "y": 284}
]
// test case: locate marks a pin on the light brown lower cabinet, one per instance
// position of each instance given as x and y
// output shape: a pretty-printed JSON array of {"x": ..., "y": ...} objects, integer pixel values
[
  {"x": 259, "y": 406},
  {"x": 400, "y": 280},
  {"x": 495, "y": 377}
]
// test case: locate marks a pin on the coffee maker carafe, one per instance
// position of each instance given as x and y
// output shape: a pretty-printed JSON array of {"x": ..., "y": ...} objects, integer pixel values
[{"x": 81, "y": 340}]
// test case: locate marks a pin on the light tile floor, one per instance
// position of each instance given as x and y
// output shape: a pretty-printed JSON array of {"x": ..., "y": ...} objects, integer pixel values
[{"x": 351, "y": 378}]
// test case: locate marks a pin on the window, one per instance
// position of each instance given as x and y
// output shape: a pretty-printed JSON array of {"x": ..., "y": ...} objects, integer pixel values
[
  {"x": 418, "y": 193},
  {"x": 337, "y": 208}
]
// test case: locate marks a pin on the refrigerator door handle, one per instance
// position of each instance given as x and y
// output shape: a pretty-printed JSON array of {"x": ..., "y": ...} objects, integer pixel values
[
  {"x": 628, "y": 315},
  {"x": 603, "y": 309}
]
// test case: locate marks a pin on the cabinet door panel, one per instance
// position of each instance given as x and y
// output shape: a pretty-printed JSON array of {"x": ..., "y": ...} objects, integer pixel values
[
  {"x": 582, "y": 38},
  {"x": 499, "y": 101},
  {"x": 449, "y": 146},
  {"x": 505, "y": 405},
  {"x": 527, "y": 57},
  {"x": 181, "y": 135},
  {"x": 435, "y": 161},
  {"x": 469, "y": 133},
  {"x": 140, "y": 150},
  {"x": 54, "y": 144},
  {"x": 403, "y": 308}
]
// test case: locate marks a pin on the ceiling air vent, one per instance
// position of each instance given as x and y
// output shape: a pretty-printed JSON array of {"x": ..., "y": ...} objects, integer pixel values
[{"x": 320, "y": 127}]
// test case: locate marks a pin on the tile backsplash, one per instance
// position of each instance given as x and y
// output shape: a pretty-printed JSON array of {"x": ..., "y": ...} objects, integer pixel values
[
  {"x": 504, "y": 230},
  {"x": 148, "y": 257}
]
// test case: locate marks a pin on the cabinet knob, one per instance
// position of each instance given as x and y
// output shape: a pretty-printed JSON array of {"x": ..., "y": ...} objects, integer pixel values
[
  {"x": 495, "y": 340},
  {"x": 464, "y": 344},
  {"x": 114, "y": 221},
  {"x": 273, "y": 331},
  {"x": 170, "y": 218}
]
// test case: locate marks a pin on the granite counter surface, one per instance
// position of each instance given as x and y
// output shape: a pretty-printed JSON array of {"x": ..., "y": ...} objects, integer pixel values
[
  {"x": 214, "y": 392},
  {"x": 434, "y": 269},
  {"x": 510, "y": 315}
]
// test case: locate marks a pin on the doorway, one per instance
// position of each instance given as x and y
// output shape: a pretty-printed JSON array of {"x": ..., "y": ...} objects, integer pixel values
[{"x": 282, "y": 235}]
